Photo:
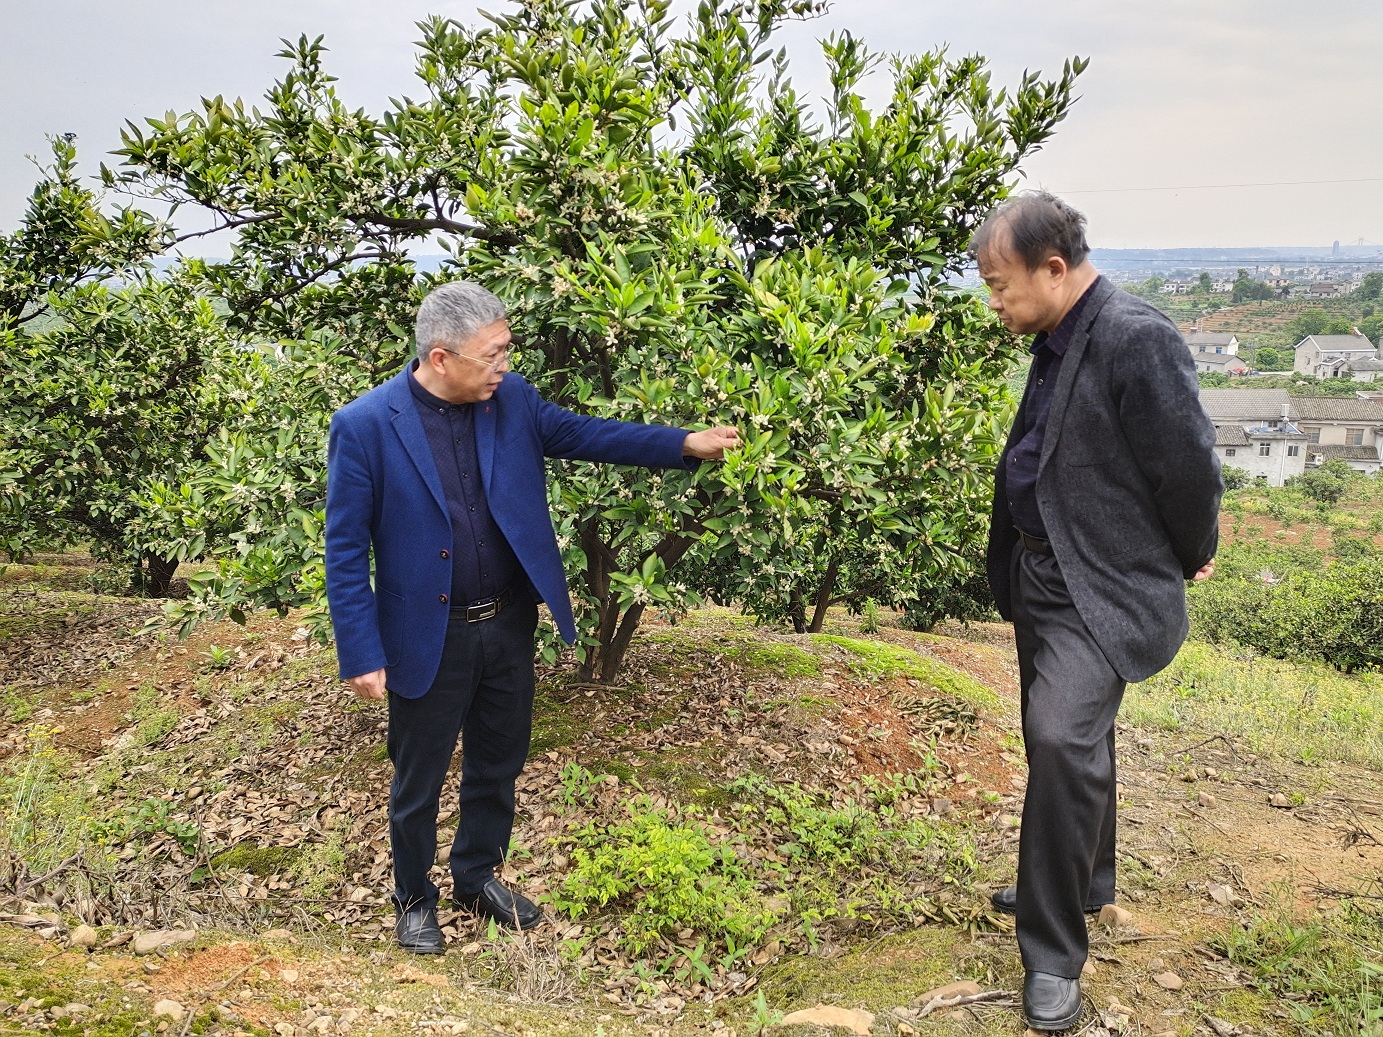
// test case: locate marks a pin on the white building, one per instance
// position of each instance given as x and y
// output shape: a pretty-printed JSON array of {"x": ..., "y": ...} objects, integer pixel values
[
  {"x": 1274, "y": 436},
  {"x": 1254, "y": 431},
  {"x": 1212, "y": 342},
  {"x": 1335, "y": 356}
]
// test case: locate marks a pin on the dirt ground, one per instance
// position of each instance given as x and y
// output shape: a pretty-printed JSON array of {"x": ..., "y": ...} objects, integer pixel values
[{"x": 1202, "y": 845}]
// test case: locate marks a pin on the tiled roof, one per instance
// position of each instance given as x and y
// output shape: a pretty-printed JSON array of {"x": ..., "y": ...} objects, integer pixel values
[
  {"x": 1208, "y": 338},
  {"x": 1330, "y": 451},
  {"x": 1367, "y": 363},
  {"x": 1220, "y": 359},
  {"x": 1230, "y": 435},
  {"x": 1337, "y": 343},
  {"x": 1332, "y": 408},
  {"x": 1243, "y": 404}
]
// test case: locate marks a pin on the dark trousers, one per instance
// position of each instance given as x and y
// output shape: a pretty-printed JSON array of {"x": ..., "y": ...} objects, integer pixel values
[
  {"x": 1070, "y": 697},
  {"x": 484, "y": 694}
]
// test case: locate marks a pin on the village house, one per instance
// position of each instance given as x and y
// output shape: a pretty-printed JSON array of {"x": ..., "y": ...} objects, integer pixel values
[
  {"x": 1337, "y": 356},
  {"x": 1211, "y": 342},
  {"x": 1323, "y": 290},
  {"x": 1274, "y": 436},
  {"x": 1219, "y": 363},
  {"x": 1254, "y": 431}
]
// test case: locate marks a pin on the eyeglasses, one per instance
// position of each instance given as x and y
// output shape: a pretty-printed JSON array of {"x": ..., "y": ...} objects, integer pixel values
[{"x": 494, "y": 366}]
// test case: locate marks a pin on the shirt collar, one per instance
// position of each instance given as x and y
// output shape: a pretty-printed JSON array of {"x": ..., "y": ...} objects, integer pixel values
[
  {"x": 1060, "y": 338},
  {"x": 426, "y": 398}
]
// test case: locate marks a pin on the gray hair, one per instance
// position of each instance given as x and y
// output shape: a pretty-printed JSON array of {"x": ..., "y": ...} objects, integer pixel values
[
  {"x": 1040, "y": 225},
  {"x": 453, "y": 313}
]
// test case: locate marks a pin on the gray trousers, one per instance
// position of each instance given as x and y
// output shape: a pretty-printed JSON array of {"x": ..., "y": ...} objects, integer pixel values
[{"x": 1070, "y": 697}]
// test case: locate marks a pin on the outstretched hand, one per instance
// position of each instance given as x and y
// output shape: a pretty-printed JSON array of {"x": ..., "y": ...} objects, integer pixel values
[
  {"x": 710, "y": 444},
  {"x": 1204, "y": 572}
]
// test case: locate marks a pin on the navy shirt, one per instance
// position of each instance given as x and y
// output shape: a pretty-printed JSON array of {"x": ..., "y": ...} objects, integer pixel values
[
  {"x": 1022, "y": 459},
  {"x": 483, "y": 565}
]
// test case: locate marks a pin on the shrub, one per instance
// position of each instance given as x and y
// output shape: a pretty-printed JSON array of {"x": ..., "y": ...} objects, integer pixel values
[
  {"x": 667, "y": 873},
  {"x": 1335, "y": 614}
]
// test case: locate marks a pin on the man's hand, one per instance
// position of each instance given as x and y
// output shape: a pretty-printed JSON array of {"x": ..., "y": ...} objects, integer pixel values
[
  {"x": 711, "y": 444},
  {"x": 368, "y": 685},
  {"x": 1204, "y": 572}
]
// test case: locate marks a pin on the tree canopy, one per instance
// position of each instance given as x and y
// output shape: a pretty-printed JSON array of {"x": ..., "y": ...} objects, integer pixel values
[{"x": 680, "y": 238}]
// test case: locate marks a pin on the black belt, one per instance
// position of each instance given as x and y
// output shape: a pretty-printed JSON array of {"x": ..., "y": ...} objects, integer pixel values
[
  {"x": 481, "y": 610},
  {"x": 1035, "y": 544}
]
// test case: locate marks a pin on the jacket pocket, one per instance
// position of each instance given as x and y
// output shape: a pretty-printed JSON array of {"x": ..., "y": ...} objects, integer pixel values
[{"x": 392, "y": 617}]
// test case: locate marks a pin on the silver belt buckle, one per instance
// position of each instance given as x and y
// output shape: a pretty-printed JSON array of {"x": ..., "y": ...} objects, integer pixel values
[{"x": 489, "y": 610}]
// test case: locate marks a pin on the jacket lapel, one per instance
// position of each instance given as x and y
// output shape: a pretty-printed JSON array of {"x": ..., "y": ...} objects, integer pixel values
[
  {"x": 1061, "y": 396},
  {"x": 409, "y": 428}
]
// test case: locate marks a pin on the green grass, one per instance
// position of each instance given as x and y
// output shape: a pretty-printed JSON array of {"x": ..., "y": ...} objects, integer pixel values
[
  {"x": 750, "y": 649},
  {"x": 1327, "y": 973},
  {"x": 879, "y": 659},
  {"x": 1300, "y": 710}
]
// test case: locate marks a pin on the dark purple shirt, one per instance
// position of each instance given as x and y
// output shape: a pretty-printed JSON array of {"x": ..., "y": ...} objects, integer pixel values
[
  {"x": 1021, "y": 460},
  {"x": 483, "y": 565}
]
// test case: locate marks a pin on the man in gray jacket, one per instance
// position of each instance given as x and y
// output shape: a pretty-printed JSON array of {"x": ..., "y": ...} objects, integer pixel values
[{"x": 1105, "y": 504}]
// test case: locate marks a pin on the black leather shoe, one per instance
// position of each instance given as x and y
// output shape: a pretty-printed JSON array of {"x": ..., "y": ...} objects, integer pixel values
[
  {"x": 1051, "y": 1002},
  {"x": 418, "y": 932},
  {"x": 502, "y": 904},
  {"x": 1006, "y": 900}
]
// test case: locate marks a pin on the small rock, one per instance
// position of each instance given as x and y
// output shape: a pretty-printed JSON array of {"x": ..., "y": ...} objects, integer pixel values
[
  {"x": 166, "y": 1009},
  {"x": 1223, "y": 1028},
  {"x": 1088, "y": 969},
  {"x": 289, "y": 976},
  {"x": 1225, "y": 896},
  {"x": 942, "y": 806},
  {"x": 83, "y": 937},
  {"x": 1205, "y": 799},
  {"x": 963, "y": 988},
  {"x": 853, "y": 1019},
  {"x": 1169, "y": 981},
  {"x": 1188, "y": 775},
  {"x": 1114, "y": 916},
  {"x": 284, "y": 1029},
  {"x": 906, "y": 1029},
  {"x": 148, "y": 943},
  {"x": 1117, "y": 1008},
  {"x": 1212, "y": 773},
  {"x": 1277, "y": 799}
]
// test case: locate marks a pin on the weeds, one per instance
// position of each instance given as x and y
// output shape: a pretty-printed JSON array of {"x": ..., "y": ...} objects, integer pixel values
[
  {"x": 1297, "y": 710},
  {"x": 1326, "y": 974}
]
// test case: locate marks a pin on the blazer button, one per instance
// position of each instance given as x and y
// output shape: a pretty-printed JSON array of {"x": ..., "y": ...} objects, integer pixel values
[
  {"x": 446, "y": 554},
  {"x": 442, "y": 598}
]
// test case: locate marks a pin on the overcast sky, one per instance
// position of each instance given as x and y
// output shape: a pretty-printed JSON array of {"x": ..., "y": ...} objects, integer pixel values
[{"x": 1184, "y": 94}]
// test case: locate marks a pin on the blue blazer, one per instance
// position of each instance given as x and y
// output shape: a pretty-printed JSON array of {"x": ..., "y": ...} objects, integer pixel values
[{"x": 383, "y": 492}]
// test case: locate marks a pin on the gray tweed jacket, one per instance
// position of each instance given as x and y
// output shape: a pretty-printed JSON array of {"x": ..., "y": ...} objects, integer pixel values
[{"x": 1128, "y": 483}]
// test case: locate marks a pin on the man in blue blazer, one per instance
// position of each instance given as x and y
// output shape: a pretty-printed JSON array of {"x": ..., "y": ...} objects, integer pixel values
[{"x": 439, "y": 472}]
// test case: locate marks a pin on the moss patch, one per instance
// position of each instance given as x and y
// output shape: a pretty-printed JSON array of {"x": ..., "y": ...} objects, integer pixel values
[
  {"x": 881, "y": 975},
  {"x": 879, "y": 659},
  {"x": 752, "y": 650},
  {"x": 258, "y": 860}
]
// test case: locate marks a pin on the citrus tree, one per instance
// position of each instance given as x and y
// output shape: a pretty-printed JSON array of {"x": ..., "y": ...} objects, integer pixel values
[
  {"x": 678, "y": 239},
  {"x": 66, "y": 239},
  {"x": 120, "y": 393}
]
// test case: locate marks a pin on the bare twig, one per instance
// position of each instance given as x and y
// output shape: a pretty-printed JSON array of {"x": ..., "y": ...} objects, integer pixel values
[
  {"x": 938, "y": 1003},
  {"x": 21, "y": 888},
  {"x": 1213, "y": 738}
]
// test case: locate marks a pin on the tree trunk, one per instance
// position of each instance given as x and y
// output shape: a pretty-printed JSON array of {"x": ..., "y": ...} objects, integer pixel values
[
  {"x": 797, "y": 610},
  {"x": 823, "y": 597},
  {"x": 157, "y": 575}
]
